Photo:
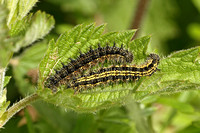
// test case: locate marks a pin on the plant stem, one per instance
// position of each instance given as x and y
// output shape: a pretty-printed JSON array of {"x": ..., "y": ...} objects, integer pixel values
[
  {"x": 138, "y": 16},
  {"x": 17, "y": 107}
]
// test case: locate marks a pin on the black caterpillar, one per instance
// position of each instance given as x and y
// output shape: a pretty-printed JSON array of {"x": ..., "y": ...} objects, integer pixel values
[
  {"x": 116, "y": 73},
  {"x": 84, "y": 61}
]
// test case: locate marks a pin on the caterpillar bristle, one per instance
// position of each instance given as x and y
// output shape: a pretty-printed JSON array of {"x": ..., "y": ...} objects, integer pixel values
[
  {"x": 113, "y": 74},
  {"x": 121, "y": 46},
  {"x": 72, "y": 60},
  {"x": 86, "y": 61},
  {"x": 57, "y": 72}
]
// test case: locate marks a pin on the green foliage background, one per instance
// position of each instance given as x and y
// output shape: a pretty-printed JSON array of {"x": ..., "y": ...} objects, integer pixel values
[{"x": 173, "y": 25}]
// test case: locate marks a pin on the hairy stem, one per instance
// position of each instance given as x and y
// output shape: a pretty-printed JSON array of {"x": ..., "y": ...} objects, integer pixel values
[{"x": 16, "y": 108}]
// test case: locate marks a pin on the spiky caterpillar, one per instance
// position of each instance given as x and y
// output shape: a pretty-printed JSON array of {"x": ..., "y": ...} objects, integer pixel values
[
  {"x": 85, "y": 61},
  {"x": 116, "y": 73}
]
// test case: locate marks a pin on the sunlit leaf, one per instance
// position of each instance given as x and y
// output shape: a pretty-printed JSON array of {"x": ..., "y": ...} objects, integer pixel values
[
  {"x": 18, "y": 9},
  {"x": 178, "y": 72},
  {"x": 40, "y": 25}
]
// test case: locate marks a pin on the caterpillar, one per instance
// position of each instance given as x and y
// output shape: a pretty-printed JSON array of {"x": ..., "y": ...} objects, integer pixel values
[
  {"x": 84, "y": 61},
  {"x": 116, "y": 73}
]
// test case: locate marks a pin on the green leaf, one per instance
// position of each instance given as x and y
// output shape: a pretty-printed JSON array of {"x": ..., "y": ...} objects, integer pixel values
[
  {"x": 98, "y": 31},
  {"x": 47, "y": 62},
  {"x": 3, "y": 104},
  {"x": 182, "y": 65},
  {"x": 153, "y": 86},
  {"x": 6, "y": 80},
  {"x": 12, "y": 7},
  {"x": 24, "y": 7},
  {"x": 139, "y": 48},
  {"x": 67, "y": 46},
  {"x": 125, "y": 37},
  {"x": 3, "y": 100},
  {"x": 19, "y": 27},
  {"x": 178, "y": 72},
  {"x": 40, "y": 25},
  {"x": 18, "y": 9}
]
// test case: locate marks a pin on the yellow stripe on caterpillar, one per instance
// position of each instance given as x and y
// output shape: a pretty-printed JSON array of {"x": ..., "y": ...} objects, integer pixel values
[{"x": 123, "y": 72}]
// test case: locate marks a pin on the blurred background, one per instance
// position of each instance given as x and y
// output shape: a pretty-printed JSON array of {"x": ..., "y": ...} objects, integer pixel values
[{"x": 173, "y": 24}]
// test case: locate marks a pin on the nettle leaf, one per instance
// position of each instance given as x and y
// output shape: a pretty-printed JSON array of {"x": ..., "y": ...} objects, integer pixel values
[
  {"x": 18, "y": 9},
  {"x": 19, "y": 27},
  {"x": 40, "y": 25},
  {"x": 25, "y": 6},
  {"x": 3, "y": 100},
  {"x": 68, "y": 46},
  {"x": 6, "y": 80},
  {"x": 82, "y": 38},
  {"x": 3, "y": 104},
  {"x": 179, "y": 72},
  {"x": 12, "y": 7},
  {"x": 182, "y": 65},
  {"x": 139, "y": 48},
  {"x": 26, "y": 28}
]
